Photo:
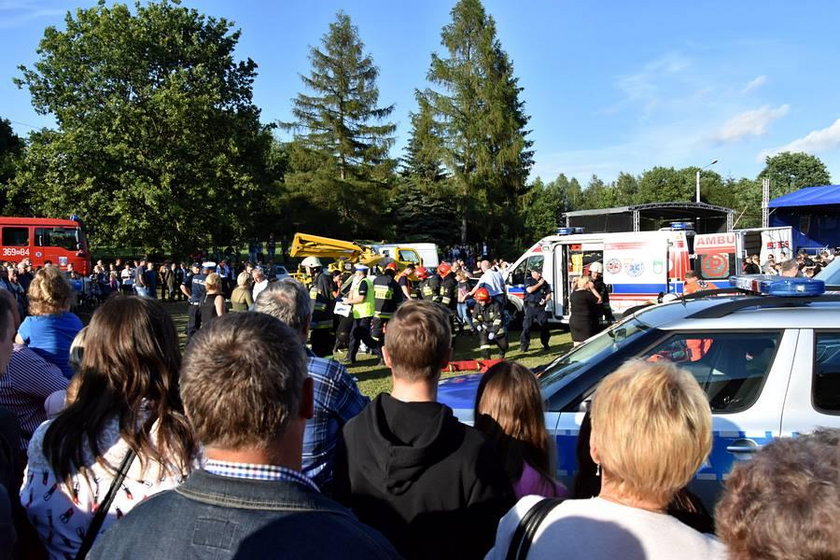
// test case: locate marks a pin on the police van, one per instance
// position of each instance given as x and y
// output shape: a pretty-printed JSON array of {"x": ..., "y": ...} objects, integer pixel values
[{"x": 767, "y": 357}]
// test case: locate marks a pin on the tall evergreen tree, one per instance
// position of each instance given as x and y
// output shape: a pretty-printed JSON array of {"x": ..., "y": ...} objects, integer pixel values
[
  {"x": 484, "y": 144},
  {"x": 423, "y": 154},
  {"x": 341, "y": 156}
]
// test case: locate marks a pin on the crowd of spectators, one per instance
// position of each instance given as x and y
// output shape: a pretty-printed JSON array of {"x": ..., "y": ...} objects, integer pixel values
[
  {"x": 803, "y": 264},
  {"x": 251, "y": 446}
]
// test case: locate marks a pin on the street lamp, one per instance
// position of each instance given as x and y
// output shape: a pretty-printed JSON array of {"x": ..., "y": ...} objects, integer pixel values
[{"x": 697, "y": 182}]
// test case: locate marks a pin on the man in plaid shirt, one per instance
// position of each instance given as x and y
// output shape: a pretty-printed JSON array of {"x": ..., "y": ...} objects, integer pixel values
[{"x": 337, "y": 398}]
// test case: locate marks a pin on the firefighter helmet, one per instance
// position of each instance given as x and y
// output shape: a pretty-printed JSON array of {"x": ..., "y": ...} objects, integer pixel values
[{"x": 311, "y": 262}]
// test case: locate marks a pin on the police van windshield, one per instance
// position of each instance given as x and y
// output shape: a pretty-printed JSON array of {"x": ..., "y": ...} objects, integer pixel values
[{"x": 593, "y": 351}]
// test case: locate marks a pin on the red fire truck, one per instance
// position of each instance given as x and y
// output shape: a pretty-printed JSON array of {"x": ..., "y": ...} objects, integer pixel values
[{"x": 61, "y": 242}]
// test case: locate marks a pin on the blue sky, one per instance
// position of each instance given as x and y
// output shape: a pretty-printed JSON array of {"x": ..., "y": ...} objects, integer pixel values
[{"x": 610, "y": 85}]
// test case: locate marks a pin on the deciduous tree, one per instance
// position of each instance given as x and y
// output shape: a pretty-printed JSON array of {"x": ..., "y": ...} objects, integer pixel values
[
  {"x": 791, "y": 171},
  {"x": 158, "y": 142},
  {"x": 11, "y": 147}
]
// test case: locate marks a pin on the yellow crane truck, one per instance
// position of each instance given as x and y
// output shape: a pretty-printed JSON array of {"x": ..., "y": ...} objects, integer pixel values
[{"x": 347, "y": 252}]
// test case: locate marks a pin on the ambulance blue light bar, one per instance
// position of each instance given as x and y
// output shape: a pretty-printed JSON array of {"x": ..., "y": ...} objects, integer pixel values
[
  {"x": 771, "y": 285},
  {"x": 681, "y": 226}
]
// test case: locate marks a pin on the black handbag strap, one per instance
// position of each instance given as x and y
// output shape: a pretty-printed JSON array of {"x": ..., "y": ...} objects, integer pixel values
[
  {"x": 104, "y": 506},
  {"x": 527, "y": 528}
]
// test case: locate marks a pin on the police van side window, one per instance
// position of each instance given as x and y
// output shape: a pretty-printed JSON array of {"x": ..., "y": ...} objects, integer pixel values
[
  {"x": 15, "y": 236},
  {"x": 826, "y": 384},
  {"x": 730, "y": 367},
  {"x": 517, "y": 277},
  {"x": 535, "y": 263}
]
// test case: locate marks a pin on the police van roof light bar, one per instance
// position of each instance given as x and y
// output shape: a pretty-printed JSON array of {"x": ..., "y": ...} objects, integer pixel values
[{"x": 772, "y": 285}]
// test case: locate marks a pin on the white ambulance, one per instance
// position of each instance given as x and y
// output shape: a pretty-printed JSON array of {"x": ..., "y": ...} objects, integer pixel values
[{"x": 638, "y": 266}]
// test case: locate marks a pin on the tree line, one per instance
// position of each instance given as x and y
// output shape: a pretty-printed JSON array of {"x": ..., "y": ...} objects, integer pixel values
[{"x": 158, "y": 143}]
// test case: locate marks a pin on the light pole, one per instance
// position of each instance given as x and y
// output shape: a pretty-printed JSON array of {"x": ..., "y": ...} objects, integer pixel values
[{"x": 697, "y": 182}]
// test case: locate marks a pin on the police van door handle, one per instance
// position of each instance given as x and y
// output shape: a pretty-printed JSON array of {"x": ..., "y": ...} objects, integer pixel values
[{"x": 743, "y": 446}]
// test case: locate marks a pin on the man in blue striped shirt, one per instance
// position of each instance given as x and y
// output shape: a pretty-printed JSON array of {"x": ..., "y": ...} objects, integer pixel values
[{"x": 337, "y": 398}]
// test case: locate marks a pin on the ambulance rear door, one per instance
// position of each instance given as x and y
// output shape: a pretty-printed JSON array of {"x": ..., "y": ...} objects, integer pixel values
[{"x": 636, "y": 267}]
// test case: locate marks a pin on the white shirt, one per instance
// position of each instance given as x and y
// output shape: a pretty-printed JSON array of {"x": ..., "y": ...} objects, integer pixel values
[
  {"x": 493, "y": 281},
  {"x": 259, "y": 287},
  {"x": 61, "y": 514},
  {"x": 598, "y": 529}
]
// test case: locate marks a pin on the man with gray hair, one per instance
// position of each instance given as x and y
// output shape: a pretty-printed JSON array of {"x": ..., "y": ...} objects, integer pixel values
[
  {"x": 337, "y": 398},
  {"x": 247, "y": 394}
]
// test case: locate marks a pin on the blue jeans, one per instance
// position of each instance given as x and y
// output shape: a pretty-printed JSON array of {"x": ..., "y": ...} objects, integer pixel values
[{"x": 464, "y": 315}]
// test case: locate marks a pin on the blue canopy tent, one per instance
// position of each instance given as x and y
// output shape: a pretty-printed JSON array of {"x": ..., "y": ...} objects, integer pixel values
[{"x": 813, "y": 213}]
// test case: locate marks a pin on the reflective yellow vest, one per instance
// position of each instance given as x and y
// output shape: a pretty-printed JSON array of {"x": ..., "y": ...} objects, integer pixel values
[{"x": 366, "y": 308}]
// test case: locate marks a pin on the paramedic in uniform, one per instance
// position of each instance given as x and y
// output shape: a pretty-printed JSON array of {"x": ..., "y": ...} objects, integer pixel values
[{"x": 537, "y": 295}]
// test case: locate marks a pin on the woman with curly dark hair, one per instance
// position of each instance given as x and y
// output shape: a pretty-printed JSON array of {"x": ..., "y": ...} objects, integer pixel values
[{"x": 127, "y": 403}]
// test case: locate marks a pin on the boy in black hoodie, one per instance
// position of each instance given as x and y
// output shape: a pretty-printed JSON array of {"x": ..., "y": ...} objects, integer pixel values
[{"x": 433, "y": 486}]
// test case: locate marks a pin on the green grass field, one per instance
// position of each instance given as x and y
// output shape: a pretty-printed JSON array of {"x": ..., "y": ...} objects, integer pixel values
[{"x": 374, "y": 379}]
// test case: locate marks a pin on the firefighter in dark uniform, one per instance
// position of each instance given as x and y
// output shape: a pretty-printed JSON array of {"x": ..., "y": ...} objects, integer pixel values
[
  {"x": 596, "y": 271},
  {"x": 420, "y": 288},
  {"x": 342, "y": 324},
  {"x": 448, "y": 294},
  {"x": 430, "y": 288},
  {"x": 387, "y": 295},
  {"x": 488, "y": 318},
  {"x": 448, "y": 288},
  {"x": 537, "y": 294},
  {"x": 193, "y": 288},
  {"x": 321, "y": 293},
  {"x": 405, "y": 283}
]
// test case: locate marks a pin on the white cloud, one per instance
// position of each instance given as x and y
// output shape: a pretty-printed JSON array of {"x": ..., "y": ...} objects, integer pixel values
[
  {"x": 750, "y": 123},
  {"x": 814, "y": 142},
  {"x": 16, "y": 13},
  {"x": 755, "y": 84},
  {"x": 652, "y": 85}
]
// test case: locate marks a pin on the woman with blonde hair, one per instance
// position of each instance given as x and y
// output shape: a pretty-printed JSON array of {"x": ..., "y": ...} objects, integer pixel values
[
  {"x": 509, "y": 411},
  {"x": 651, "y": 431},
  {"x": 50, "y": 327},
  {"x": 126, "y": 419},
  {"x": 214, "y": 301},
  {"x": 241, "y": 299}
]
